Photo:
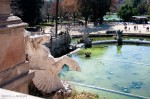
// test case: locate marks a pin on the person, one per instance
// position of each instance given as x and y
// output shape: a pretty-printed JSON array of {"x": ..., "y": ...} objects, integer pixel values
[
  {"x": 147, "y": 29},
  {"x": 129, "y": 29},
  {"x": 125, "y": 28},
  {"x": 43, "y": 31},
  {"x": 134, "y": 28},
  {"x": 125, "y": 23}
]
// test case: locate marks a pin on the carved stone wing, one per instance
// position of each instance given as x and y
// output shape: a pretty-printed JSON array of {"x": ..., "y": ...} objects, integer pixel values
[
  {"x": 45, "y": 81},
  {"x": 60, "y": 62}
]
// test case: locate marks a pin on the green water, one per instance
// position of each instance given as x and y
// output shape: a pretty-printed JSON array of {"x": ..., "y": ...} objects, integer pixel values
[
  {"x": 110, "y": 17},
  {"x": 115, "y": 68},
  {"x": 101, "y": 94},
  {"x": 75, "y": 40}
]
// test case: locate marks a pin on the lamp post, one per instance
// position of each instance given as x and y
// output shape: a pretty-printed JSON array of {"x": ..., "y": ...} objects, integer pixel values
[{"x": 56, "y": 18}]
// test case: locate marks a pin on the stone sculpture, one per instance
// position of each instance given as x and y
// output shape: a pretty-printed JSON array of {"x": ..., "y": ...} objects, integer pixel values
[
  {"x": 86, "y": 40},
  {"x": 88, "y": 54},
  {"x": 45, "y": 66},
  {"x": 119, "y": 37}
]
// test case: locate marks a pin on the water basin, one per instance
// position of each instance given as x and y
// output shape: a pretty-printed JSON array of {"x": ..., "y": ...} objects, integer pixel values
[{"x": 124, "y": 69}]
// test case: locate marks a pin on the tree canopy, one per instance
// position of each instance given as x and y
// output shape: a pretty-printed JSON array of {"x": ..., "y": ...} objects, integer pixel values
[
  {"x": 126, "y": 12},
  {"x": 95, "y": 9},
  {"x": 28, "y": 10},
  {"x": 142, "y": 6}
]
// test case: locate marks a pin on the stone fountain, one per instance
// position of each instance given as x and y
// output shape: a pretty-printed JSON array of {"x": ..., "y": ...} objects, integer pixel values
[{"x": 13, "y": 65}]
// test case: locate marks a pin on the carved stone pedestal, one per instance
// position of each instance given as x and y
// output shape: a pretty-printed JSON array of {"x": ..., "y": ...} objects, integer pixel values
[{"x": 13, "y": 66}]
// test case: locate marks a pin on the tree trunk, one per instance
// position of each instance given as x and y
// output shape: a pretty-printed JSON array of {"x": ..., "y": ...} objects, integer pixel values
[
  {"x": 74, "y": 18},
  {"x": 101, "y": 20},
  {"x": 61, "y": 20},
  {"x": 94, "y": 21},
  {"x": 48, "y": 17},
  {"x": 94, "y": 17},
  {"x": 86, "y": 20}
]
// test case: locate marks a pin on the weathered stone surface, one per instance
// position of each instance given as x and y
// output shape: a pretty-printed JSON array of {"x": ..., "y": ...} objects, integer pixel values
[
  {"x": 60, "y": 45},
  {"x": 10, "y": 21},
  {"x": 13, "y": 66},
  {"x": 86, "y": 40},
  {"x": 12, "y": 48},
  {"x": 5, "y": 7},
  {"x": 62, "y": 93},
  {"x": 17, "y": 82},
  {"x": 13, "y": 72},
  {"x": 46, "y": 67}
]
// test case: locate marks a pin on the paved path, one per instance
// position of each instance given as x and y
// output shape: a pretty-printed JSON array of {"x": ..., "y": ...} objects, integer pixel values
[{"x": 78, "y": 30}]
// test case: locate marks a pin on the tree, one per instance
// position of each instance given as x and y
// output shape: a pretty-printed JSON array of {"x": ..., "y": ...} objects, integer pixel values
[
  {"x": 70, "y": 7},
  {"x": 129, "y": 2},
  {"x": 142, "y": 8},
  {"x": 105, "y": 7},
  {"x": 28, "y": 10},
  {"x": 85, "y": 9},
  {"x": 148, "y": 10},
  {"x": 140, "y": 5},
  {"x": 114, "y": 6},
  {"x": 46, "y": 10},
  {"x": 126, "y": 12},
  {"x": 95, "y": 8},
  {"x": 60, "y": 10},
  {"x": 133, "y": 3}
]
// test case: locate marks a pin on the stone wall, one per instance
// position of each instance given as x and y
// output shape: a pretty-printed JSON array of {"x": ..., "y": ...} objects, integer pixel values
[
  {"x": 60, "y": 45},
  {"x": 12, "y": 48},
  {"x": 14, "y": 68}
]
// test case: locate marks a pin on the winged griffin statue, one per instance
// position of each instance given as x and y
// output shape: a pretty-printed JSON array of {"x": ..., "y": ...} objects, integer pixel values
[{"x": 45, "y": 66}]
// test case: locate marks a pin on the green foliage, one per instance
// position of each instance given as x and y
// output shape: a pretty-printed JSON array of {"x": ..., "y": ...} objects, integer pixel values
[
  {"x": 85, "y": 8},
  {"x": 101, "y": 10},
  {"x": 126, "y": 12},
  {"x": 142, "y": 8},
  {"x": 28, "y": 10},
  {"x": 135, "y": 3},
  {"x": 83, "y": 95},
  {"x": 148, "y": 9},
  {"x": 140, "y": 5},
  {"x": 95, "y": 9},
  {"x": 128, "y": 2}
]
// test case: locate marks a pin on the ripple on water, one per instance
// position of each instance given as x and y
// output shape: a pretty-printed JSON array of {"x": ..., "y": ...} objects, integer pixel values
[{"x": 122, "y": 72}]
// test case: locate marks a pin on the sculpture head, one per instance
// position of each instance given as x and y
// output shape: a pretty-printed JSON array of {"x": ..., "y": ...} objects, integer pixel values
[{"x": 34, "y": 44}]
